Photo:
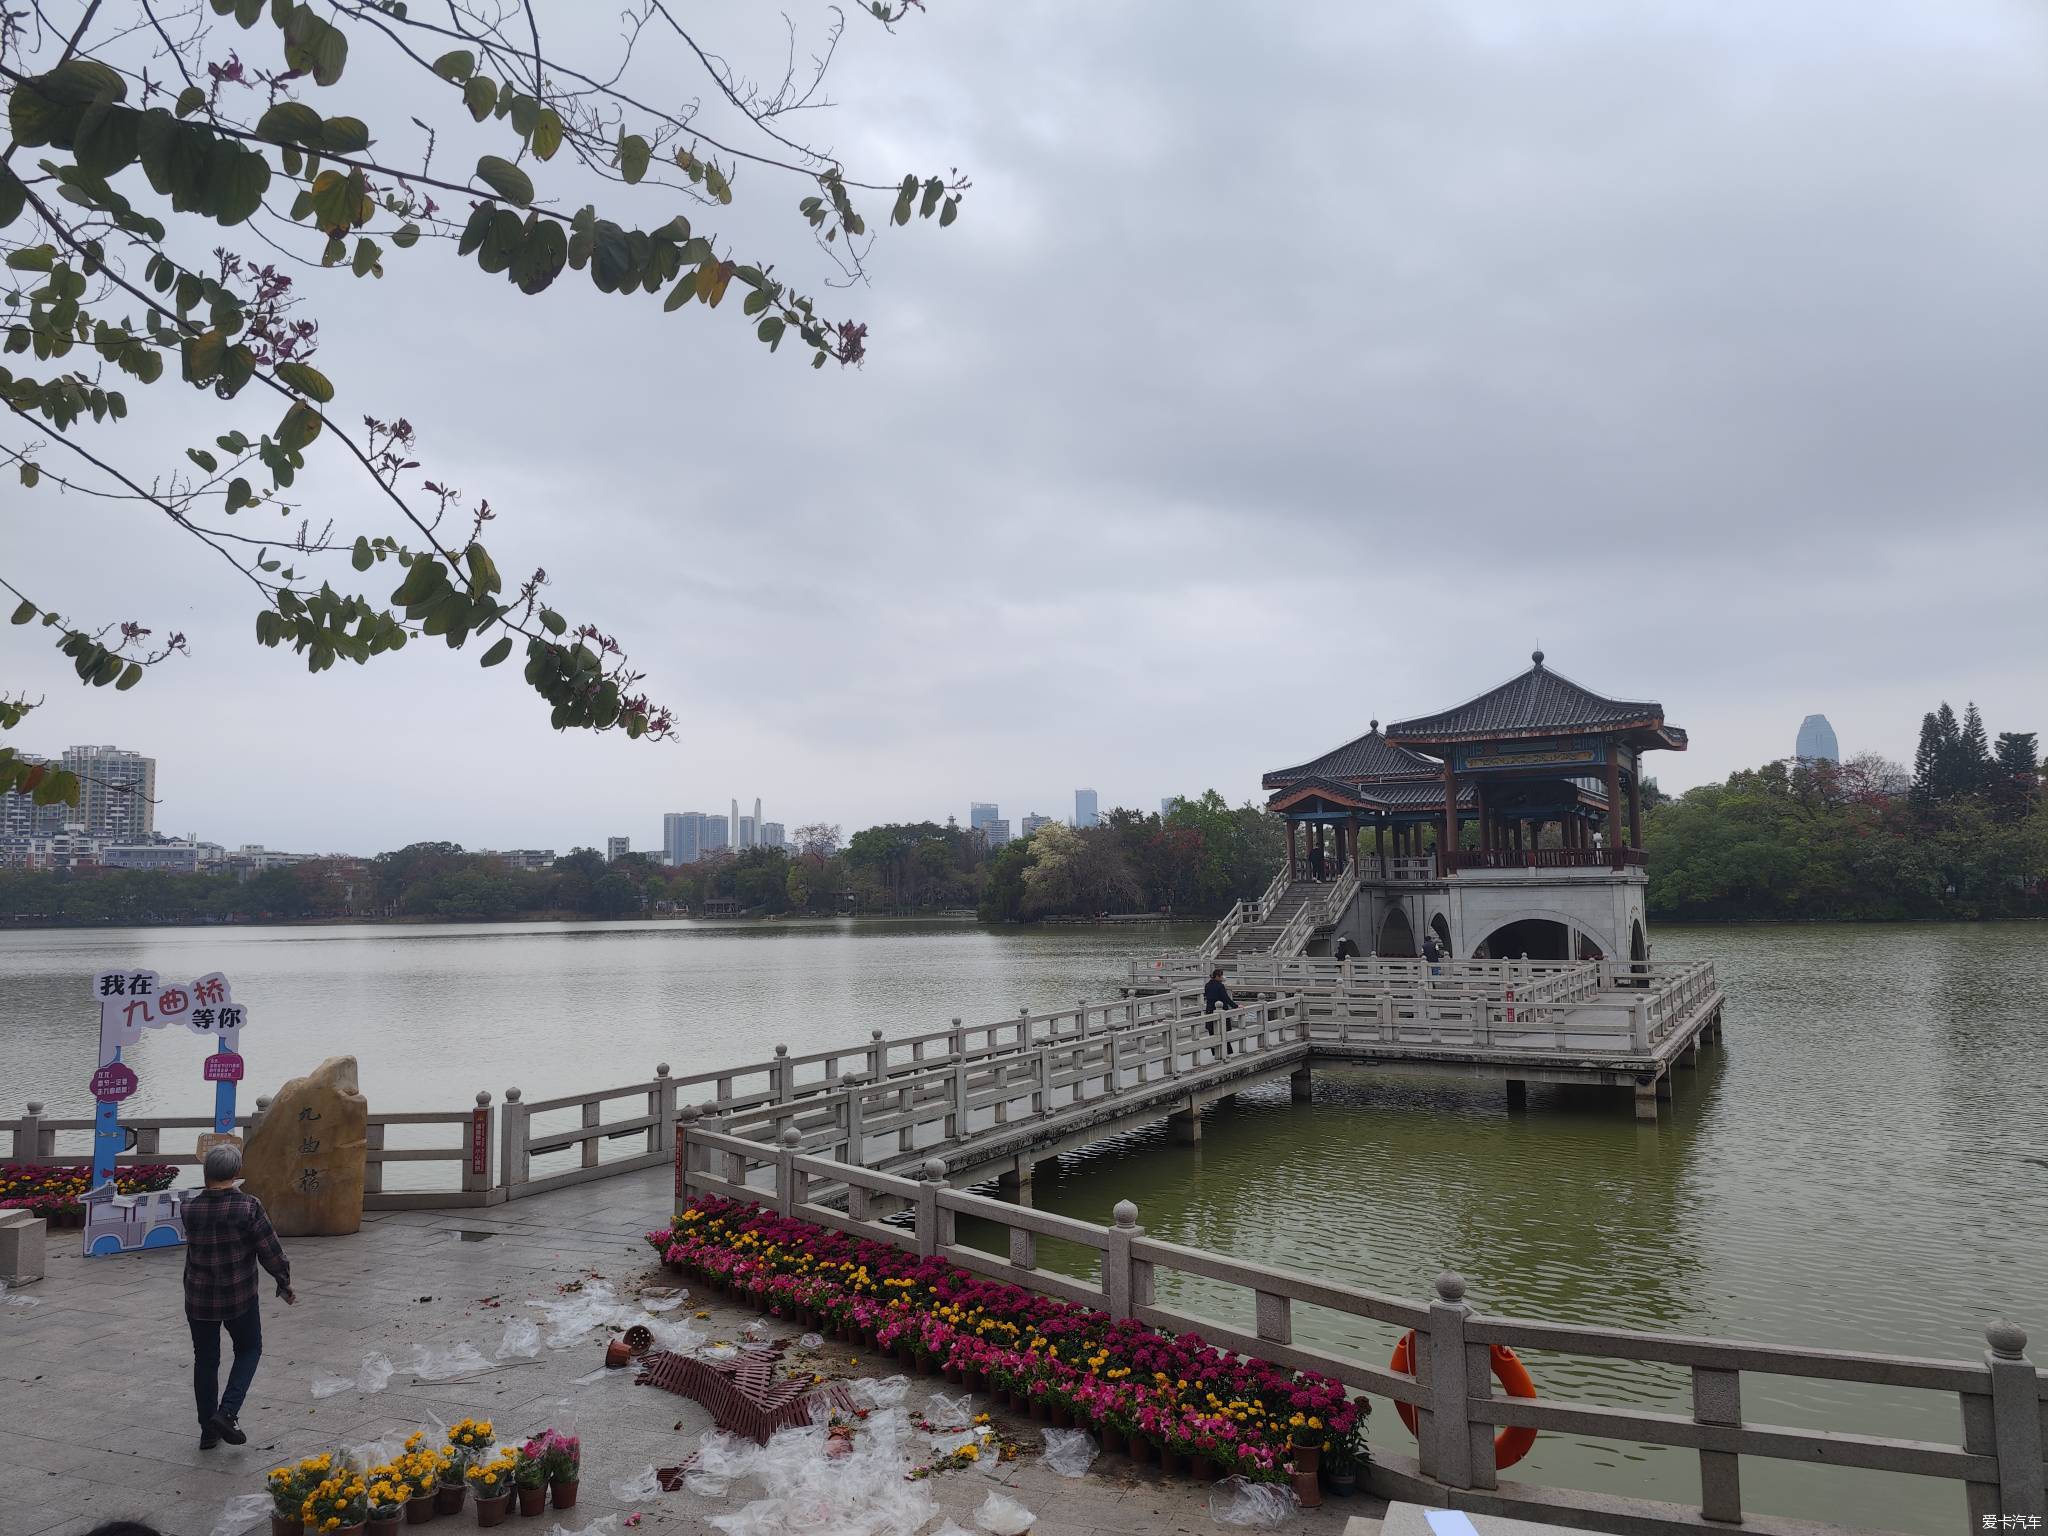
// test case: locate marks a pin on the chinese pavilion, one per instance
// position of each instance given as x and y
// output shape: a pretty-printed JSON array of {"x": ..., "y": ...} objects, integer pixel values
[{"x": 1508, "y": 825}]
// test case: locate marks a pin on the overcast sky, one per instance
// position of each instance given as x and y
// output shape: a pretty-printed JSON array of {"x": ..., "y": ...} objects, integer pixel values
[{"x": 1288, "y": 367}]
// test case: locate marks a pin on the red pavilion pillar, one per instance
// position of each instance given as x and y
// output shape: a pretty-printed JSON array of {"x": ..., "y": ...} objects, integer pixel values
[{"x": 1447, "y": 850}]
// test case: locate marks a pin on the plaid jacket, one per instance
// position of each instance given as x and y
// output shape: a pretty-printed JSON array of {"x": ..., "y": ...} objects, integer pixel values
[{"x": 226, "y": 1235}]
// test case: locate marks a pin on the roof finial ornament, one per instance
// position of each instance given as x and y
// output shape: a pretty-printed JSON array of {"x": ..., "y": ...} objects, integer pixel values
[
  {"x": 1375, "y": 724},
  {"x": 1535, "y": 656}
]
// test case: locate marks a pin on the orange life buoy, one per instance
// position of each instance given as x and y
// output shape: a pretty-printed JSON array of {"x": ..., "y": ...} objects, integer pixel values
[{"x": 1512, "y": 1443}]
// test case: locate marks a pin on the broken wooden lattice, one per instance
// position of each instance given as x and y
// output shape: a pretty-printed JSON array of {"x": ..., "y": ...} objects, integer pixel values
[{"x": 747, "y": 1395}]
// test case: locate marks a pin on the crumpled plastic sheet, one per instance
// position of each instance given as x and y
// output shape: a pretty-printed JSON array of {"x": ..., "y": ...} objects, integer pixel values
[
  {"x": 603, "y": 1525},
  {"x": 811, "y": 1341},
  {"x": 719, "y": 1351},
  {"x": 375, "y": 1453},
  {"x": 1069, "y": 1452},
  {"x": 1240, "y": 1501},
  {"x": 241, "y": 1513},
  {"x": 633, "y": 1490},
  {"x": 757, "y": 1330},
  {"x": 950, "y": 1528},
  {"x": 866, "y": 1492},
  {"x": 373, "y": 1375},
  {"x": 943, "y": 1412},
  {"x": 658, "y": 1300},
  {"x": 679, "y": 1338},
  {"x": 521, "y": 1340},
  {"x": 1000, "y": 1515},
  {"x": 454, "y": 1364},
  {"x": 570, "y": 1317},
  {"x": 8, "y": 1298},
  {"x": 870, "y": 1393}
]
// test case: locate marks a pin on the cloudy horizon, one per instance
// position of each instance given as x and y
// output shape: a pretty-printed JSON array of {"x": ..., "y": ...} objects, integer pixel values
[{"x": 1282, "y": 373}]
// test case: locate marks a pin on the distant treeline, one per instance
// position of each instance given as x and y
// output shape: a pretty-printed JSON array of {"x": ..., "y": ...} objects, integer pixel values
[
  {"x": 1962, "y": 835},
  {"x": 1194, "y": 861}
]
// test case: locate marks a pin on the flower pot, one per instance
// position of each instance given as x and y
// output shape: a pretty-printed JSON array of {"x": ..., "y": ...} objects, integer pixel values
[
  {"x": 420, "y": 1510},
  {"x": 492, "y": 1511},
  {"x": 386, "y": 1525},
  {"x": 1306, "y": 1488},
  {"x": 350, "y": 1530},
  {"x": 1113, "y": 1440},
  {"x": 618, "y": 1352},
  {"x": 1172, "y": 1462},
  {"x": 1343, "y": 1484},
  {"x": 280, "y": 1526},
  {"x": 1205, "y": 1470},
  {"x": 1143, "y": 1450},
  {"x": 1062, "y": 1416},
  {"x": 448, "y": 1500},
  {"x": 533, "y": 1500},
  {"x": 1039, "y": 1410},
  {"x": 564, "y": 1494}
]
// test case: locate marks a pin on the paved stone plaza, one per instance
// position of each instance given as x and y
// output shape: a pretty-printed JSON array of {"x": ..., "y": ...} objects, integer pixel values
[{"x": 95, "y": 1380}]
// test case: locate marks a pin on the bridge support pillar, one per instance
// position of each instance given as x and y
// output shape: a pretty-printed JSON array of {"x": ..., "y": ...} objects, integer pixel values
[
  {"x": 1664, "y": 1088},
  {"x": 1301, "y": 1085},
  {"x": 1689, "y": 1056},
  {"x": 1185, "y": 1125},
  {"x": 1518, "y": 1094},
  {"x": 1014, "y": 1186},
  {"x": 1646, "y": 1101}
]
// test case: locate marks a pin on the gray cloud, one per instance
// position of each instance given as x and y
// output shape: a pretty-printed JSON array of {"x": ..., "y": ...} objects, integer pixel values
[{"x": 1287, "y": 367}]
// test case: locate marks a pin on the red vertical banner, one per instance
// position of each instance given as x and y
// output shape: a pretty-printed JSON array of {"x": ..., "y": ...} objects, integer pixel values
[
  {"x": 480, "y": 1142},
  {"x": 679, "y": 1163}
]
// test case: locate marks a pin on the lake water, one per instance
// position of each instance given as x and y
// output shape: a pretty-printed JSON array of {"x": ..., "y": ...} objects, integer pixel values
[{"x": 1863, "y": 1167}]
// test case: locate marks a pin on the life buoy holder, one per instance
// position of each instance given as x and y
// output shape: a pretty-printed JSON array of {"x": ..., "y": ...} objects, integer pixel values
[{"x": 1512, "y": 1442}]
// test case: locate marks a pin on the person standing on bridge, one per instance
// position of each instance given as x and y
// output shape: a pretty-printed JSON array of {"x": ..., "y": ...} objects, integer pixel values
[
  {"x": 1216, "y": 995},
  {"x": 227, "y": 1234},
  {"x": 1432, "y": 952},
  {"x": 1315, "y": 856}
]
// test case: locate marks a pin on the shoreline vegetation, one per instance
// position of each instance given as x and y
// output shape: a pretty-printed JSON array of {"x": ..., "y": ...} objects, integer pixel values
[{"x": 1963, "y": 836}]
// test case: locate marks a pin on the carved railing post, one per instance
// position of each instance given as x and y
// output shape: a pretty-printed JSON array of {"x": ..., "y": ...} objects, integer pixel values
[
  {"x": 931, "y": 1221},
  {"x": 515, "y": 1164},
  {"x": 779, "y": 1075},
  {"x": 2016, "y": 1422},
  {"x": 689, "y": 1155},
  {"x": 789, "y": 1179},
  {"x": 474, "y": 1179},
  {"x": 1126, "y": 1282},
  {"x": 1446, "y": 1440},
  {"x": 854, "y": 1149},
  {"x": 878, "y": 1056},
  {"x": 661, "y": 1104}
]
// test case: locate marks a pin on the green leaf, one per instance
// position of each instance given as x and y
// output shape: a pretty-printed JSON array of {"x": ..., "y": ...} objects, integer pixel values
[
  {"x": 480, "y": 96},
  {"x": 362, "y": 557},
  {"x": 900, "y": 214},
  {"x": 339, "y": 201},
  {"x": 365, "y": 261},
  {"x": 949, "y": 212},
  {"x": 203, "y": 459},
  {"x": 498, "y": 652},
  {"x": 547, "y": 134},
  {"x": 634, "y": 155},
  {"x": 771, "y": 331},
  {"x": 130, "y": 676},
  {"x": 406, "y": 236},
  {"x": 290, "y": 122},
  {"x": 190, "y": 100},
  {"x": 344, "y": 136},
  {"x": 203, "y": 356},
  {"x": 505, "y": 179},
  {"x": 477, "y": 228},
  {"x": 25, "y": 612},
  {"x": 541, "y": 256},
  {"x": 240, "y": 494},
  {"x": 13, "y": 197},
  {"x": 456, "y": 64},
  {"x": 314, "y": 47},
  {"x": 300, "y": 426},
  {"x": 236, "y": 180},
  {"x": 308, "y": 381},
  {"x": 552, "y": 621}
]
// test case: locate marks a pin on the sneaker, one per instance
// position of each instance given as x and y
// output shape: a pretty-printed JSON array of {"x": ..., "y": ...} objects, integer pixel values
[
  {"x": 228, "y": 1430},
  {"x": 209, "y": 1437}
]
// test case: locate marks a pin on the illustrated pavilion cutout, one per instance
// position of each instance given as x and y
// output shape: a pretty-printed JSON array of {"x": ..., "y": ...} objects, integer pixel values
[
  {"x": 1509, "y": 825},
  {"x": 131, "y": 1002}
]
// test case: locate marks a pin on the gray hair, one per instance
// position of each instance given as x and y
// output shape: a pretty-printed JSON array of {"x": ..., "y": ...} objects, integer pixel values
[{"x": 223, "y": 1163}]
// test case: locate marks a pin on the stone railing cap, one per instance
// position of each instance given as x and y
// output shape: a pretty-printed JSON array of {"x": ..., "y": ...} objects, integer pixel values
[
  {"x": 2007, "y": 1339},
  {"x": 1451, "y": 1285}
]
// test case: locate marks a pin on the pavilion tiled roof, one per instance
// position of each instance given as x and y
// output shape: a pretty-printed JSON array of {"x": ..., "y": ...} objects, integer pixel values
[
  {"x": 1539, "y": 702},
  {"x": 1368, "y": 757}
]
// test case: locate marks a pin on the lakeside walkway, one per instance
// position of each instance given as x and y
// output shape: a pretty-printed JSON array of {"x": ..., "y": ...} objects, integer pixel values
[{"x": 95, "y": 1388}]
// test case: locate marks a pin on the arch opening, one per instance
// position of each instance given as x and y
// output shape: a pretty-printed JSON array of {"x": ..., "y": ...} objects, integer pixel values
[
  {"x": 1397, "y": 937},
  {"x": 1539, "y": 938},
  {"x": 1441, "y": 927},
  {"x": 1638, "y": 946}
]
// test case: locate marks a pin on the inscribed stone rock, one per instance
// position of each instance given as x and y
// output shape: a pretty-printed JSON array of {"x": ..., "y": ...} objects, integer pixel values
[{"x": 305, "y": 1160}]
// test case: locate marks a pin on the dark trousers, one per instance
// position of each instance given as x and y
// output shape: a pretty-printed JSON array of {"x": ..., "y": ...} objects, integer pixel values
[{"x": 246, "y": 1332}]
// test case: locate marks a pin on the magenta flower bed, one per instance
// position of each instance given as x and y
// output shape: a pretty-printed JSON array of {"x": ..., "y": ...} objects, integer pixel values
[{"x": 1175, "y": 1393}]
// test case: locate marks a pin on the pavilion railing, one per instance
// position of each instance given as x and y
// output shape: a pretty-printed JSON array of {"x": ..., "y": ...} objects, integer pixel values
[{"x": 1543, "y": 858}]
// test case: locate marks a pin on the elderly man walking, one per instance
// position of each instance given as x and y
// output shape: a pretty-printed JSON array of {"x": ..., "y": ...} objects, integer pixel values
[{"x": 227, "y": 1235}]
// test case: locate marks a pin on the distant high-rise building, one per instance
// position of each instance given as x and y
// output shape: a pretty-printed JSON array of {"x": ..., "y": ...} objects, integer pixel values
[
  {"x": 716, "y": 834},
  {"x": 1817, "y": 739},
  {"x": 980, "y": 813},
  {"x": 116, "y": 793},
  {"x": 732, "y": 827},
  {"x": 997, "y": 832},
  {"x": 1166, "y": 806},
  {"x": 757, "y": 816},
  {"x": 616, "y": 848},
  {"x": 1033, "y": 822},
  {"x": 686, "y": 836},
  {"x": 1084, "y": 809},
  {"x": 746, "y": 833},
  {"x": 20, "y": 816},
  {"x": 773, "y": 835}
]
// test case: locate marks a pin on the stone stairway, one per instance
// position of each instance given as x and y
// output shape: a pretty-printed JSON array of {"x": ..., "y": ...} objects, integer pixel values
[{"x": 1259, "y": 938}]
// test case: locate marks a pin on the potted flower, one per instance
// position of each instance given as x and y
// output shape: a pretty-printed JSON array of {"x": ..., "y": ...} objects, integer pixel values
[
  {"x": 491, "y": 1481},
  {"x": 1340, "y": 1465},
  {"x": 564, "y": 1457},
  {"x": 338, "y": 1505},
  {"x": 389, "y": 1494},
  {"x": 288, "y": 1489},
  {"x": 419, "y": 1468},
  {"x": 450, "y": 1488},
  {"x": 530, "y": 1478}
]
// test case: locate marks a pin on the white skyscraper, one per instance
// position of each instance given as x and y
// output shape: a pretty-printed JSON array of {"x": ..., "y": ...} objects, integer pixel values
[{"x": 1084, "y": 809}]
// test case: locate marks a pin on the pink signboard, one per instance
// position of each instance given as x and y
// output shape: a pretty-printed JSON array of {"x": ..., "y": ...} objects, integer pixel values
[
  {"x": 113, "y": 1082},
  {"x": 480, "y": 1142},
  {"x": 223, "y": 1067}
]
